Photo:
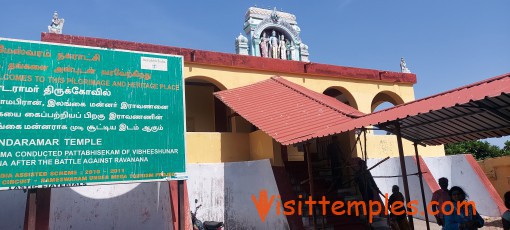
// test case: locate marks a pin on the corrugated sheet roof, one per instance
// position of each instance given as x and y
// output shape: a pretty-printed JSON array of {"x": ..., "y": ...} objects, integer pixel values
[
  {"x": 286, "y": 111},
  {"x": 477, "y": 111}
]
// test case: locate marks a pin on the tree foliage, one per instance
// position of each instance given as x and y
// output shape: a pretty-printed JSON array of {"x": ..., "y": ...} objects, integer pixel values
[
  {"x": 479, "y": 149},
  {"x": 507, "y": 146}
]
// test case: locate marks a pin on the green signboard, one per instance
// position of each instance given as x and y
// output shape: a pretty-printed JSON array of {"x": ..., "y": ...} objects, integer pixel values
[{"x": 73, "y": 116}]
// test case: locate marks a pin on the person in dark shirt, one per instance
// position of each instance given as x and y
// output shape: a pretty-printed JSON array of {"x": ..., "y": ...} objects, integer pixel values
[
  {"x": 440, "y": 196},
  {"x": 506, "y": 215},
  {"x": 398, "y": 214}
]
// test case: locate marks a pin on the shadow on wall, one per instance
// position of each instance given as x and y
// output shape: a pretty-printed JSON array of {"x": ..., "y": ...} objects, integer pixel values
[
  {"x": 122, "y": 206},
  {"x": 12, "y": 213},
  {"x": 225, "y": 190}
]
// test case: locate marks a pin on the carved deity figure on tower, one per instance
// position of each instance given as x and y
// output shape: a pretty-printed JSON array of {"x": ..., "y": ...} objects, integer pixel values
[
  {"x": 283, "y": 48},
  {"x": 264, "y": 45},
  {"x": 287, "y": 42},
  {"x": 273, "y": 41},
  {"x": 57, "y": 24}
]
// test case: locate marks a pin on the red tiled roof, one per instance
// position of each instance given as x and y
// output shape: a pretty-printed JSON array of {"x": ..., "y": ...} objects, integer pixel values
[
  {"x": 477, "y": 111},
  {"x": 288, "y": 112}
]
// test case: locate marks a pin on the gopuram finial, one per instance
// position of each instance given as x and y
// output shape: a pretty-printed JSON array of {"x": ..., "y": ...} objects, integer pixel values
[{"x": 57, "y": 24}]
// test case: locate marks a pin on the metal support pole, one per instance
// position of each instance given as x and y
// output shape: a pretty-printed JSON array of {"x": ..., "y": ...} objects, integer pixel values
[
  {"x": 421, "y": 186},
  {"x": 180, "y": 203},
  {"x": 403, "y": 168},
  {"x": 310, "y": 180},
  {"x": 365, "y": 140}
]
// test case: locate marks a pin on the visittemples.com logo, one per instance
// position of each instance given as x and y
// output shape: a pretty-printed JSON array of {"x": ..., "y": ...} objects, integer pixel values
[{"x": 264, "y": 203}]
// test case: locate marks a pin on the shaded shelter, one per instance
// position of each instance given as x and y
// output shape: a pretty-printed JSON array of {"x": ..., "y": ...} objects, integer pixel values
[
  {"x": 476, "y": 111},
  {"x": 293, "y": 114}
]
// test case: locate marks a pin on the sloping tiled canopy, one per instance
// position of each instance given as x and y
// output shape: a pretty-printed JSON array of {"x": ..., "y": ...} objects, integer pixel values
[
  {"x": 291, "y": 113},
  {"x": 286, "y": 111}
]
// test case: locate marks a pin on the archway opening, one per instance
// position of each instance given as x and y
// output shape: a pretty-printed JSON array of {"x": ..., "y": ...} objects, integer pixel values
[
  {"x": 204, "y": 112},
  {"x": 342, "y": 95},
  {"x": 385, "y": 96},
  {"x": 346, "y": 139},
  {"x": 382, "y": 101}
]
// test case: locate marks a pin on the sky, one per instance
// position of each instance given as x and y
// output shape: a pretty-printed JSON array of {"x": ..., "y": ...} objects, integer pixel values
[{"x": 447, "y": 44}]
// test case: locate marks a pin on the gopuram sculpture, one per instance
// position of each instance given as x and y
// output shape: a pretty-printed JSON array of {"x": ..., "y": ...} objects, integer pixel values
[
  {"x": 264, "y": 46},
  {"x": 283, "y": 48},
  {"x": 273, "y": 41},
  {"x": 57, "y": 24},
  {"x": 272, "y": 34},
  {"x": 403, "y": 66}
]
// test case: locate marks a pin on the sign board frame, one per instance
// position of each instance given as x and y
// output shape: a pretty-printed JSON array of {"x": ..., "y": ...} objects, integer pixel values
[{"x": 156, "y": 67}]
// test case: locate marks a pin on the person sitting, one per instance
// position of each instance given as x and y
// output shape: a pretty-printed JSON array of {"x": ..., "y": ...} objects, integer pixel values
[
  {"x": 463, "y": 216},
  {"x": 506, "y": 215}
]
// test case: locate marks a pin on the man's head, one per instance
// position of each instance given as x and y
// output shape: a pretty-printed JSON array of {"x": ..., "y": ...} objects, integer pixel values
[
  {"x": 395, "y": 189},
  {"x": 334, "y": 139},
  {"x": 507, "y": 199},
  {"x": 443, "y": 183}
]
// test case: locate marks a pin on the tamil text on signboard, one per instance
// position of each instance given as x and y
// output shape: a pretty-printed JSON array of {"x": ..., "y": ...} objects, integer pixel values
[{"x": 76, "y": 116}]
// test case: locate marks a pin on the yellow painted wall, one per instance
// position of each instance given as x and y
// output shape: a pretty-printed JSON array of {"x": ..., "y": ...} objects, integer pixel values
[
  {"x": 498, "y": 172},
  {"x": 199, "y": 116},
  {"x": 381, "y": 146},
  {"x": 214, "y": 147},
  {"x": 363, "y": 92},
  {"x": 278, "y": 160},
  {"x": 261, "y": 147},
  {"x": 293, "y": 154}
]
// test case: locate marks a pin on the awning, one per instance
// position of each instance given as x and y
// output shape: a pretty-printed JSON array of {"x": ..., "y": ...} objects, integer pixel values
[
  {"x": 287, "y": 112},
  {"x": 477, "y": 111}
]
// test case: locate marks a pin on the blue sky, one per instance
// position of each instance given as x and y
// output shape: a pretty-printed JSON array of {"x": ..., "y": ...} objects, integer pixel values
[{"x": 446, "y": 43}]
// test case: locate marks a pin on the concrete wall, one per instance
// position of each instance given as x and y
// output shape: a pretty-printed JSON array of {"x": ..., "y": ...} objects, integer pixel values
[
  {"x": 12, "y": 213},
  {"x": 392, "y": 167},
  {"x": 498, "y": 172},
  {"x": 225, "y": 191},
  {"x": 460, "y": 171},
  {"x": 463, "y": 171},
  {"x": 123, "y": 206},
  {"x": 381, "y": 146}
]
